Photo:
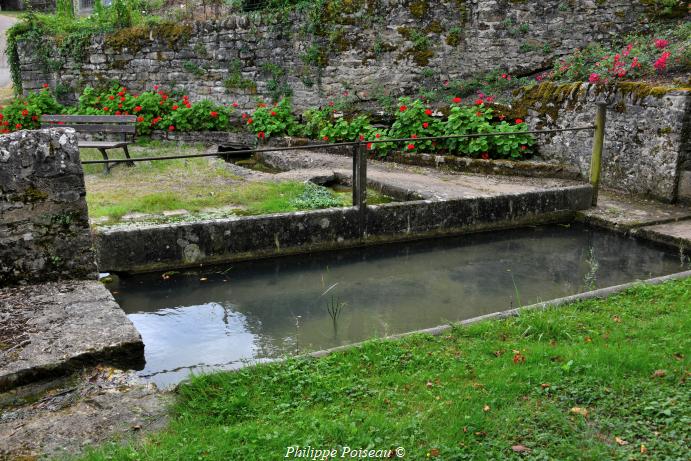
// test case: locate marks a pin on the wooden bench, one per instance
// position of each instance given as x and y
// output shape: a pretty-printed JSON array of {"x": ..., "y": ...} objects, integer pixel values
[{"x": 124, "y": 125}]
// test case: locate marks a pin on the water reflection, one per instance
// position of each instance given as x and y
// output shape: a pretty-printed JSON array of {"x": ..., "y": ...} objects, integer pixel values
[{"x": 223, "y": 316}]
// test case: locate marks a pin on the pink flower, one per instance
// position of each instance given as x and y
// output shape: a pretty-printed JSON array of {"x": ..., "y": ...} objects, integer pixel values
[
  {"x": 627, "y": 50},
  {"x": 661, "y": 43},
  {"x": 661, "y": 63},
  {"x": 594, "y": 78}
]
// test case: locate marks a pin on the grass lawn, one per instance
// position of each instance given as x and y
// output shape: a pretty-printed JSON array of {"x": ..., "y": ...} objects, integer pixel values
[
  {"x": 602, "y": 379},
  {"x": 196, "y": 185}
]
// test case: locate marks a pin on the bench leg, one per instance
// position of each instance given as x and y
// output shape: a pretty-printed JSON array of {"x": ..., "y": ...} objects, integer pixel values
[
  {"x": 127, "y": 154},
  {"x": 106, "y": 166}
]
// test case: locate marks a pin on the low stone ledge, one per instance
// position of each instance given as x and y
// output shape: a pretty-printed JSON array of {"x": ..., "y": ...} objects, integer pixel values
[
  {"x": 168, "y": 246},
  {"x": 526, "y": 168},
  {"x": 61, "y": 327}
]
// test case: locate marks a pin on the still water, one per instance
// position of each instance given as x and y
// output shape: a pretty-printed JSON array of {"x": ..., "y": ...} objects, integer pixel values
[{"x": 226, "y": 316}]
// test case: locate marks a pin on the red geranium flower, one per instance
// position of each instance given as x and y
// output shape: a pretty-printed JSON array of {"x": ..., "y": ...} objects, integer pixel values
[
  {"x": 479, "y": 114},
  {"x": 524, "y": 147},
  {"x": 273, "y": 113},
  {"x": 235, "y": 104},
  {"x": 369, "y": 146},
  {"x": 140, "y": 119},
  {"x": 411, "y": 146},
  {"x": 425, "y": 125},
  {"x": 171, "y": 128},
  {"x": 34, "y": 118},
  {"x": 155, "y": 87},
  {"x": 117, "y": 112},
  {"x": 479, "y": 102},
  {"x": 138, "y": 109},
  {"x": 377, "y": 135},
  {"x": 25, "y": 112},
  {"x": 325, "y": 138},
  {"x": 457, "y": 100},
  {"x": 362, "y": 137},
  {"x": 331, "y": 103},
  {"x": 519, "y": 121},
  {"x": 213, "y": 114},
  {"x": 414, "y": 136},
  {"x": 111, "y": 97},
  {"x": 428, "y": 112},
  {"x": 45, "y": 85},
  {"x": 106, "y": 109},
  {"x": 485, "y": 155},
  {"x": 403, "y": 108},
  {"x": 261, "y": 135},
  {"x": 249, "y": 121},
  {"x": 18, "y": 126}
]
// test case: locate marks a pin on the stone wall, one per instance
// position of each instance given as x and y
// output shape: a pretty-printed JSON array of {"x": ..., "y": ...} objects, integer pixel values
[
  {"x": 44, "y": 226},
  {"x": 167, "y": 246},
  {"x": 368, "y": 48},
  {"x": 646, "y": 139}
]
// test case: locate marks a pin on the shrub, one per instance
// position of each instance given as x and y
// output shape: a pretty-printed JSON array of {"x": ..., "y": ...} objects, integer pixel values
[
  {"x": 641, "y": 56},
  {"x": 24, "y": 113},
  {"x": 275, "y": 120}
]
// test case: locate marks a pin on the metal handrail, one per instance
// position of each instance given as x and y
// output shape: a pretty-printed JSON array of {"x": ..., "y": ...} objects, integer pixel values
[{"x": 337, "y": 144}]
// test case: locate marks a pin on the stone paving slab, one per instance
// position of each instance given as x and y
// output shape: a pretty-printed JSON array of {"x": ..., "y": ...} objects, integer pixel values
[
  {"x": 50, "y": 328},
  {"x": 622, "y": 213},
  {"x": 414, "y": 181},
  {"x": 61, "y": 417},
  {"x": 677, "y": 234}
]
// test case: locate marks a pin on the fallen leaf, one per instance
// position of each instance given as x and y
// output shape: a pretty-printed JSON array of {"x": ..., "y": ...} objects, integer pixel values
[
  {"x": 520, "y": 449},
  {"x": 545, "y": 385},
  {"x": 617, "y": 319},
  {"x": 434, "y": 452},
  {"x": 620, "y": 441},
  {"x": 678, "y": 356},
  {"x": 136, "y": 427},
  {"x": 486, "y": 408},
  {"x": 643, "y": 449},
  {"x": 430, "y": 384},
  {"x": 579, "y": 411},
  {"x": 499, "y": 353},
  {"x": 481, "y": 433},
  {"x": 588, "y": 339},
  {"x": 659, "y": 374}
]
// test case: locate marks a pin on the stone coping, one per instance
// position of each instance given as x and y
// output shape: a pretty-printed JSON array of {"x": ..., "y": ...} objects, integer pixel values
[{"x": 63, "y": 326}]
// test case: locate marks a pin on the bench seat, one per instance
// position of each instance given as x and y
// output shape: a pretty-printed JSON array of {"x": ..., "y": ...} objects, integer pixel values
[
  {"x": 103, "y": 144},
  {"x": 123, "y": 125}
]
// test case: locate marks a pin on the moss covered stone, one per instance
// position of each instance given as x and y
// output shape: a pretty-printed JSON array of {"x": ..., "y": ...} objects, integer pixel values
[{"x": 419, "y": 8}]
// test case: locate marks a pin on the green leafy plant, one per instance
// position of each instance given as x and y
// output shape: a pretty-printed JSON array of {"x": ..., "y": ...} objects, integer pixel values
[{"x": 276, "y": 120}]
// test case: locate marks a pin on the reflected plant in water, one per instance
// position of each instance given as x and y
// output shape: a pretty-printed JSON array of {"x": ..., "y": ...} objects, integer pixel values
[{"x": 590, "y": 278}]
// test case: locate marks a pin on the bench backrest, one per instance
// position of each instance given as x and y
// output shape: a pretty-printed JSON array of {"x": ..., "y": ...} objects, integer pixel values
[{"x": 124, "y": 124}]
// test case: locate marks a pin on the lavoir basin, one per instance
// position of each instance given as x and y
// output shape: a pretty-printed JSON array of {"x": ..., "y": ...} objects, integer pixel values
[{"x": 224, "y": 317}]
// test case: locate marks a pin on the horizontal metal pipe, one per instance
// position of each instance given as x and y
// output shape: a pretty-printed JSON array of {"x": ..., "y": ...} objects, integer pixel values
[{"x": 332, "y": 145}]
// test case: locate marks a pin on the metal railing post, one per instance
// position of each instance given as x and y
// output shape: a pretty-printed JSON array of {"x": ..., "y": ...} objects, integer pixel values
[
  {"x": 356, "y": 169},
  {"x": 362, "y": 189},
  {"x": 598, "y": 143}
]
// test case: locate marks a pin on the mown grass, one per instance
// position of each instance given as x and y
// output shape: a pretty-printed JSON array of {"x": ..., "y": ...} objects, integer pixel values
[
  {"x": 602, "y": 379},
  {"x": 195, "y": 185}
]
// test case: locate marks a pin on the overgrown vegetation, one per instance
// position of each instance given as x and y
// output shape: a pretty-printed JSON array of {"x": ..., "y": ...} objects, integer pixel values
[{"x": 601, "y": 379}]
